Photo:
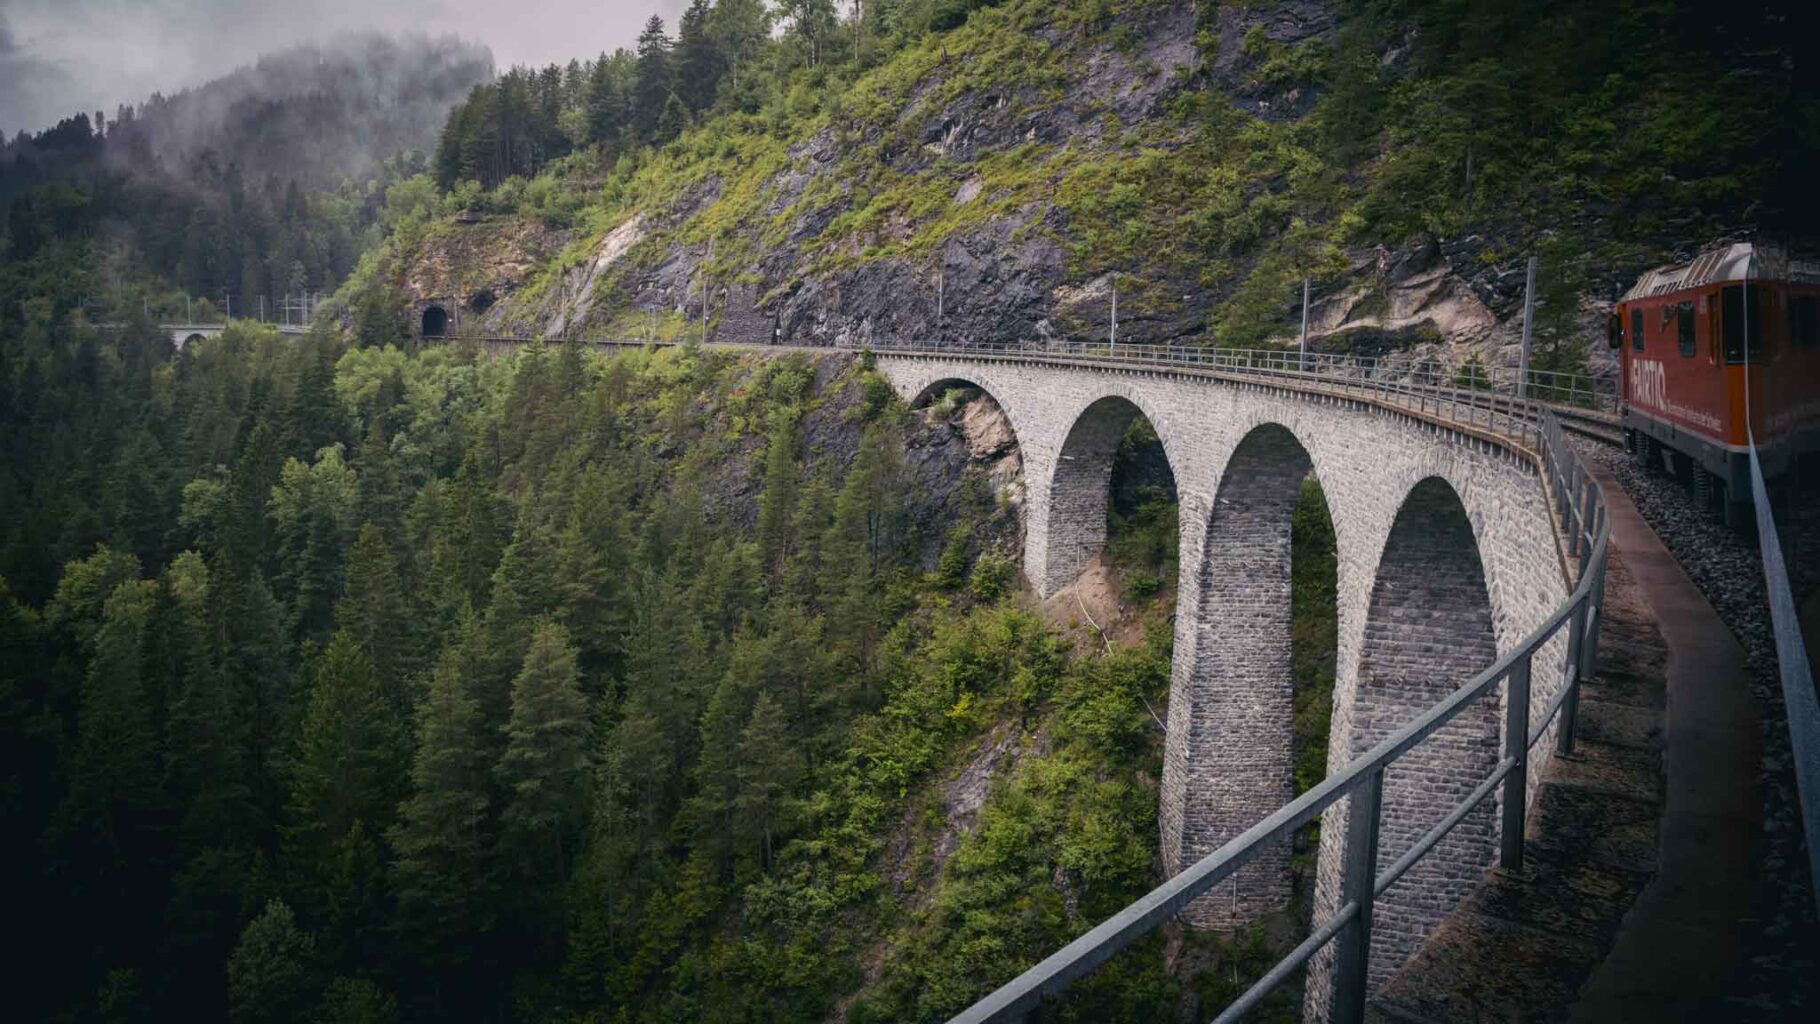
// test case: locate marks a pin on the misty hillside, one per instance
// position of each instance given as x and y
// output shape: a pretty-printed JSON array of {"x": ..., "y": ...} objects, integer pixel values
[
  {"x": 263, "y": 181},
  {"x": 1027, "y": 158}
]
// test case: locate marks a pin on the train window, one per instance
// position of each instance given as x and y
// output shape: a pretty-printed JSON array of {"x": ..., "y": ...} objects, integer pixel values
[
  {"x": 1804, "y": 321},
  {"x": 1636, "y": 329},
  {"x": 1684, "y": 328},
  {"x": 1738, "y": 346}
]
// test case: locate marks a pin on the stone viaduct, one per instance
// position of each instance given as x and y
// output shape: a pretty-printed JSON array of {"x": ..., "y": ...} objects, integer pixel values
[
  {"x": 183, "y": 334},
  {"x": 1447, "y": 556}
]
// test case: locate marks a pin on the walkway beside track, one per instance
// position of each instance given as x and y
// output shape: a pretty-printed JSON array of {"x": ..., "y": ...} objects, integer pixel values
[
  {"x": 1642, "y": 843},
  {"x": 1680, "y": 943},
  {"x": 1522, "y": 945}
]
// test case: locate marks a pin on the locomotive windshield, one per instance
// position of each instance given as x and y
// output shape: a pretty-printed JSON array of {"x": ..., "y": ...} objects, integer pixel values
[{"x": 1742, "y": 332}]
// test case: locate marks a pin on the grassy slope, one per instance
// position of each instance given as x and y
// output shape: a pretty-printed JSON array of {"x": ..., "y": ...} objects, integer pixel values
[{"x": 1599, "y": 150}]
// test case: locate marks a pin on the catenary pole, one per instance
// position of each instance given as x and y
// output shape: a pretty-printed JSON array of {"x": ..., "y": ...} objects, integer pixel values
[{"x": 1529, "y": 316}]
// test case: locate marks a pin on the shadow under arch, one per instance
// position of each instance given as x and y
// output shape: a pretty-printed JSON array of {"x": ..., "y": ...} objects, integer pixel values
[
  {"x": 191, "y": 340},
  {"x": 1236, "y": 739},
  {"x": 1428, "y": 629},
  {"x": 1080, "y": 488},
  {"x": 937, "y": 390}
]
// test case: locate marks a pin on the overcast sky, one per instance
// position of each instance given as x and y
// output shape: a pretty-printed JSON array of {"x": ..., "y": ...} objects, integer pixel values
[{"x": 61, "y": 56}]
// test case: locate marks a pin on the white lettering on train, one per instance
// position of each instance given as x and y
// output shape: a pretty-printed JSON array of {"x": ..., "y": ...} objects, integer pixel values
[
  {"x": 1649, "y": 387},
  {"x": 1648, "y": 383}
]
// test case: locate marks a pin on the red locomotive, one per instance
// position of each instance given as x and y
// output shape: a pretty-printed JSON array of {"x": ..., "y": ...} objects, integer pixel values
[{"x": 1704, "y": 345}]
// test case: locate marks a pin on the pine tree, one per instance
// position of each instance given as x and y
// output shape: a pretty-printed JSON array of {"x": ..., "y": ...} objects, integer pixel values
[
  {"x": 313, "y": 508},
  {"x": 372, "y": 611},
  {"x": 653, "y": 81},
  {"x": 546, "y": 768},
  {"x": 739, "y": 28},
  {"x": 208, "y": 727},
  {"x": 767, "y": 769},
  {"x": 867, "y": 531},
  {"x": 382, "y": 493},
  {"x": 468, "y": 540},
  {"x": 114, "y": 800},
  {"x": 777, "y": 502},
  {"x": 591, "y": 568},
  {"x": 608, "y": 103},
  {"x": 347, "y": 772},
  {"x": 442, "y": 836},
  {"x": 271, "y": 976},
  {"x": 318, "y": 418},
  {"x": 700, "y": 62}
]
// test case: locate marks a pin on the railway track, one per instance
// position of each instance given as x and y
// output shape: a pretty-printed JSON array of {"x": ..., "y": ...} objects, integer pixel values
[{"x": 1597, "y": 425}]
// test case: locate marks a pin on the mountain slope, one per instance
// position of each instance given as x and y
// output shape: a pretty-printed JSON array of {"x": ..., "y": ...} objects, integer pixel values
[{"x": 1202, "y": 158}]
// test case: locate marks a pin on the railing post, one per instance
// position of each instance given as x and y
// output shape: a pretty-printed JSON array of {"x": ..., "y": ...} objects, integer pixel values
[
  {"x": 1516, "y": 748},
  {"x": 1353, "y": 961},
  {"x": 1570, "y": 704},
  {"x": 1588, "y": 530},
  {"x": 1589, "y": 641}
]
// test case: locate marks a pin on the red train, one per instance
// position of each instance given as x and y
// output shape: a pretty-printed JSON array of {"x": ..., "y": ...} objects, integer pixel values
[{"x": 1704, "y": 345}]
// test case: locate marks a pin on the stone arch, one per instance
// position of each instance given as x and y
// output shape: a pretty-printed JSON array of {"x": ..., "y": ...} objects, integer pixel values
[
  {"x": 1428, "y": 629},
  {"x": 935, "y": 389},
  {"x": 191, "y": 339},
  {"x": 435, "y": 322},
  {"x": 1079, "y": 487},
  {"x": 1233, "y": 740}
]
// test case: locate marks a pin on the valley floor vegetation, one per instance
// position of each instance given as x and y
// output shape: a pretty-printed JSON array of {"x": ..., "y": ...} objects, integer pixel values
[{"x": 353, "y": 684}]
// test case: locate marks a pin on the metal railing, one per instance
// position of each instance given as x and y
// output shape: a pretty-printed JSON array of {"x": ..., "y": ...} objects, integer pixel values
[
  {"x": 1798, "y": 695},
  {"x": 1580, "y": 509},
  {"x": 1572, "y": 389},
  {"x": 1567, "y": 389}
]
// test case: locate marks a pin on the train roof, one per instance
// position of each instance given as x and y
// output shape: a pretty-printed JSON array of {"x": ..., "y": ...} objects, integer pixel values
[{"x": 1726, "y": 263}]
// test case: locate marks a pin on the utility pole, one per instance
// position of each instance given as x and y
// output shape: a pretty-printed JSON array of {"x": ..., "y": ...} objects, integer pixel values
[
  {"x": 1302, "y": 363},
  {"x": 1529, "y": 316},
  {"x": 939, "y": 279},
  {"x": 1112, "y": 340},
  {"x": 262, "y": 308},
  {"x": 705, "y": 291},
  {"x": 188, "y": 317}
]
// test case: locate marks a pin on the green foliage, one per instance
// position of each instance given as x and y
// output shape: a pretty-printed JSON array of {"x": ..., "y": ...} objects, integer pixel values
[
  {"x": 1314, "y": 625},
  {"x": 271, "y": 974}
]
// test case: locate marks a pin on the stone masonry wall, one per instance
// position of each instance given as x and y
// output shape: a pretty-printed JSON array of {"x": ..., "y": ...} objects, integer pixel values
[
  {"x": 1428, "y": 628},
  {"x": 1241, "y": 718},
  {"x": 1226, "y": 761}
]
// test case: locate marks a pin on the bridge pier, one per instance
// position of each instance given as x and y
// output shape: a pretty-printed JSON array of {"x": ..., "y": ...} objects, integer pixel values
[{"x": 1231, "y": 693}]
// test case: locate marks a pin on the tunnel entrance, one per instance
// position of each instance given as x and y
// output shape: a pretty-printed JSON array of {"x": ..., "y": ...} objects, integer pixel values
[{"x": 435, "y": 322}]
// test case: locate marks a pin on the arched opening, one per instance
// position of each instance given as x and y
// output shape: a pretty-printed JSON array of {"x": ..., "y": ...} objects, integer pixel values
[
  {"x": 191, "y": 340},
  {"x": 435, "y": 322},
  {"x": 1111, "y": 433},
  {"x": 975, "y": 545},
  {"x": 481, "y": 301},
  {"x": 1428, "y": 629},
  {"x": 1256, "y": 674}
]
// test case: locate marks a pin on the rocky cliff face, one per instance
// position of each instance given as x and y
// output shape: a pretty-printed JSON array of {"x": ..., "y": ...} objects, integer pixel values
[{"x": 997, "y": 186}]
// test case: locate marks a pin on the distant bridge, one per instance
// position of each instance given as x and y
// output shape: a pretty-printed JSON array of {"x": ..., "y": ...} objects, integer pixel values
[{"x": 183, "y": 334}]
